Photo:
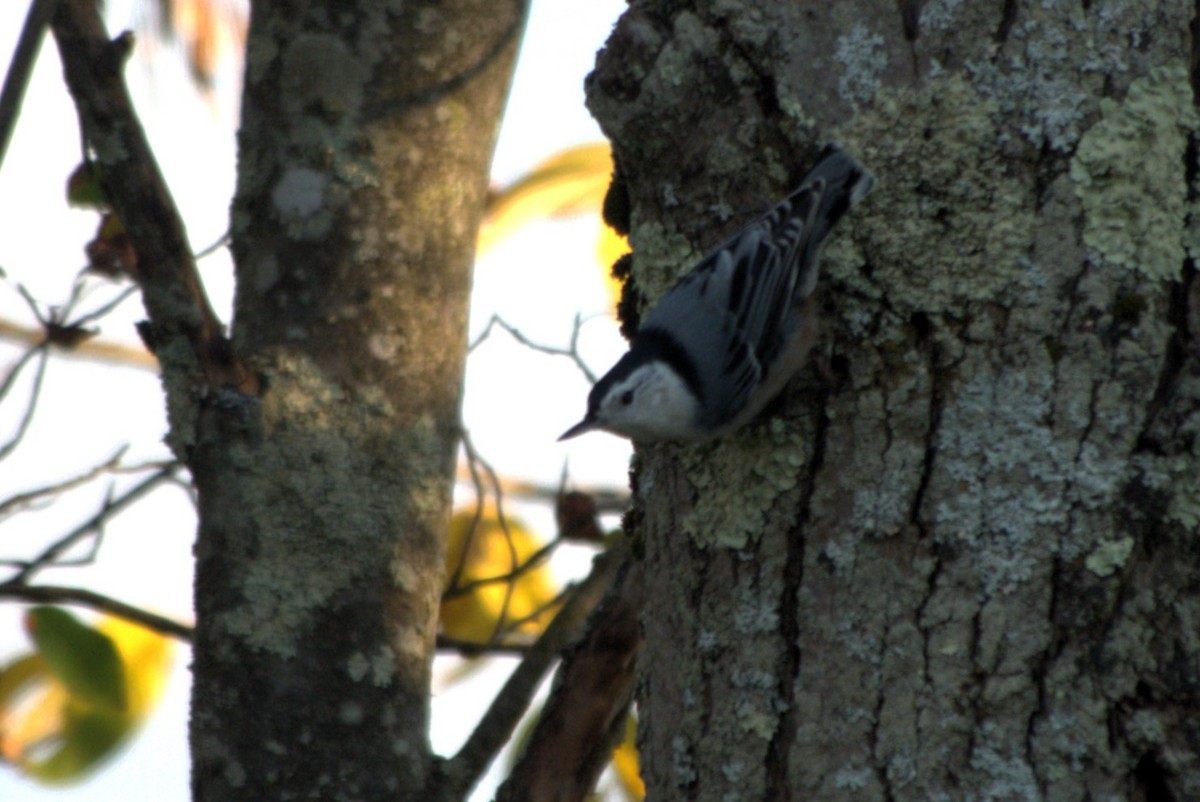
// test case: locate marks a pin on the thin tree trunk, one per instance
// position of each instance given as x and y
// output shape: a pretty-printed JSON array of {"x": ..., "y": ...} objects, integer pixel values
[
  {"x": 963, "y": 563},
  {"x": 367, "y": 134}
]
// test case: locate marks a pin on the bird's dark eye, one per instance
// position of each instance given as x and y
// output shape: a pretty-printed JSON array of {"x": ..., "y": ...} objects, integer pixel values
[{"x": 627, "y": 398}]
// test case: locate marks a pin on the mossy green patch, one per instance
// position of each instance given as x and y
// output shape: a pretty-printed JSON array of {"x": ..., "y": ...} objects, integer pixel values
[
  {"x": 958, "y": 219},
  {"x": 738, "y": 480},
  {"x": 1129, "y": 172}
]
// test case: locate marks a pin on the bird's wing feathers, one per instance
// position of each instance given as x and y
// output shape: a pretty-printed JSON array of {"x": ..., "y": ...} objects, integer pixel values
[{"x": 746, "y": 291}]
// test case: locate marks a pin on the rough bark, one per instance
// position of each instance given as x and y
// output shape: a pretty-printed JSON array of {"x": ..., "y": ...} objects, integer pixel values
[
  {"x": 962, "y": 564},
  {"x": 367, "y": 133}
]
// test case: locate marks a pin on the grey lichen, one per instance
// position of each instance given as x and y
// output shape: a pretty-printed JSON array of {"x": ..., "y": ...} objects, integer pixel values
[
  {"x": 320, "y": 73},
  {"x": 1033, "y": 88},
  {"x": 300, "y": 198},
  {"x": 852, "y": 777},
  {"x": 864, "y": 59},
  {"x": 663, "y": 255},
  {"x": 1001, "y": 494},
  {"x": 293, "y": 576},
  {"x": 1008, "y": 775},
  {"x": 758, "y": 705},
  {"x": 684, "y": 768},
  {"x": 755, "y": 613},
  {"x": 939, "y": 15},
  {"x": 181, "y": 378}
]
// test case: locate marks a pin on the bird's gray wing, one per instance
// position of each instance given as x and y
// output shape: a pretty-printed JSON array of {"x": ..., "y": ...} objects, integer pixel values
[{"x": 736, "y": 305}]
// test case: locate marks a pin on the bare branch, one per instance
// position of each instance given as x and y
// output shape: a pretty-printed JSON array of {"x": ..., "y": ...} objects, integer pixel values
[
  {"x": 607, "y": 500},
  {"x": 476, "y": 460},
  {"x": 454, "y": 591},
  {"x": 10, "y": 378},
  {"x": 221, "y": 242},
  {"x": 21, "y": 68},
  {"x": 98, "y": 349},
  {"x": 110, "y": 508},
  {"x": 57, "y": 329},
  {"x": 32, "y": 303},
  {"x": 34, "y": 393},
  {"x": 173, "y": 292},
  {"x": 480, "y": 495},
  {"x": 87, "y": 348},
  {"x": 95, "y": 601},
  {"x": 571, "y": 351},
  {"x": 460, "y": 773},
  {"x": 516, "y": 623},
  {"x": 582, "y": 720},
  {"x": 103, "y": 310},
  {"x": 30, "y": 498},
  {"x": 469, "y": 648}
]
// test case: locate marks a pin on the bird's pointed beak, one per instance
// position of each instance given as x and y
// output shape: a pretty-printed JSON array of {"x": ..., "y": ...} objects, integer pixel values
[{"x": 586, "y": 425}]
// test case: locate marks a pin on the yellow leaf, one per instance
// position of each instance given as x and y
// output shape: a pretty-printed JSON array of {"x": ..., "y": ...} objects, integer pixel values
[
  {"x": 486, "y": 551},
  {"x": 147, "y": 656},
  {"x": 571, "y": 182},
  {"x": 209, "y": 31},
  {"x": 625, "y": 762},
  {"x": 610, "y": 247}
]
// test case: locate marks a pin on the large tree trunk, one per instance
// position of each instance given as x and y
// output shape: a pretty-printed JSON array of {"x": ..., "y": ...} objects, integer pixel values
[
  {"x": 964, "y": 563},
  {"x": 367, "y": 134}
]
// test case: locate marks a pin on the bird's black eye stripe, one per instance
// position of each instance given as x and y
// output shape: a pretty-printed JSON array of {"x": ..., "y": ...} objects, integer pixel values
[{"x": 627, "y": 398}]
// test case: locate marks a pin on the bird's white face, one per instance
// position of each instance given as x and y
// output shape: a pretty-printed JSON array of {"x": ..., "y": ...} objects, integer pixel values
[{"x": 651, "y": 403}]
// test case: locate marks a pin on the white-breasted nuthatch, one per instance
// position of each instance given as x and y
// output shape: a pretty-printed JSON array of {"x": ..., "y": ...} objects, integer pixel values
[{"x": 727, "y": 337}]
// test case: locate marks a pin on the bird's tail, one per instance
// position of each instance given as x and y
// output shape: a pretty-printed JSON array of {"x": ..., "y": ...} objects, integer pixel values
[{"x": 843, "y": 183}]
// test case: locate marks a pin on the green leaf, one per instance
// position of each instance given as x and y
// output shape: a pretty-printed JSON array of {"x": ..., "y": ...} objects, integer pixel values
[
  {"x": 85, "y": 188},
  {"x": 84, "y": 660}
]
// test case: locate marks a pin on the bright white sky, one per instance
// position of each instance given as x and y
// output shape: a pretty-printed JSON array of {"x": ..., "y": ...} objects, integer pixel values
[{"x": 89, "y": 410}]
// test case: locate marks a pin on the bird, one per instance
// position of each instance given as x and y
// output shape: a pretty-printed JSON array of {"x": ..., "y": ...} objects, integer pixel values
[{"x": 727, "y": 337}]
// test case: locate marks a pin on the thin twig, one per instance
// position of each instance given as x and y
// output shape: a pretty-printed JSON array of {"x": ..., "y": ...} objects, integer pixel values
[
  {"x": 221, "y": 242},
  {"x": 28, "y": 499},
  {"x": 10, "y": 378},
  {"x": 53, "y": 326},
  {"x": 103, "y": 310},
  {"x": 51, "y": 554},
  {"x": 480, "y": 495},
  {"x": 470, "y": 648},
  {"x": 515, "y": 624},
  {"x": 96, "y": 348},
  {"x": 453, "y": 587},
  {"x": 607, "y": 499},
  {"x": 570, "y": 352},
  {"x": 35, "y": 393},
  {"x": 96, "y": 540},
  {"x": 95, "y": 601},
  {"x": 502, "y": 520},
  {"x": 32, "y": 303},
  {"x": 454, "y": 591}
]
